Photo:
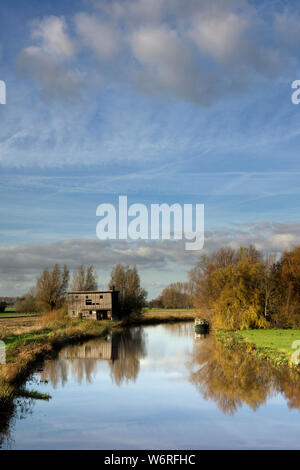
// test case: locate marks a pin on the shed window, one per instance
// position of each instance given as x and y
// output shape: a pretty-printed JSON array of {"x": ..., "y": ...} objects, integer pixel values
[{"x": 100, "y": 296}]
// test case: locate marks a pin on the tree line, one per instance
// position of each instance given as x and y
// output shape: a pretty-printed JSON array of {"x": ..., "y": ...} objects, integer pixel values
[
  {"x": 243, "y": 288},
  {"x": 50, "y": 291},
  {"x": 246, "y": 289},
  {"x": 234, "y": 289},
  {"x": 175, "y": 295}
]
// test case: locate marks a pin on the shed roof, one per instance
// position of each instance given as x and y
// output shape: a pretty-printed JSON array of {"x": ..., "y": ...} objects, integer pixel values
[{"x": 92, "y": 291}]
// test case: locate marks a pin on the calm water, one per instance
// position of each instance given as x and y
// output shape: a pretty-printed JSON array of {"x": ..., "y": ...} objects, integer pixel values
[{"x": 156, "y": 388}]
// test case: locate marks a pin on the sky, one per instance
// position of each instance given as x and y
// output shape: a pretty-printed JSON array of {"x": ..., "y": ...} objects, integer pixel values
[{"x": 165, "y": 101}]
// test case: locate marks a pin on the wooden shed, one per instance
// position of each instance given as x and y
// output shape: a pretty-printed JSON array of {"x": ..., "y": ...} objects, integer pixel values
[{"x": 97, "y": 305}]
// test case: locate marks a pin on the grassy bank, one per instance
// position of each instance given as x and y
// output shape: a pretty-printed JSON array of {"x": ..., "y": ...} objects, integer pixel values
[
  {"x": 272, "y": 345},
  {"x": 25, "y": 349},
  {"x": 154, "y": 316}
]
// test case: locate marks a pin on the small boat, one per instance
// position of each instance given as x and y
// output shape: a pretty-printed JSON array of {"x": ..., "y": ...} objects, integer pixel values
[{"x": 201, "y": 325}]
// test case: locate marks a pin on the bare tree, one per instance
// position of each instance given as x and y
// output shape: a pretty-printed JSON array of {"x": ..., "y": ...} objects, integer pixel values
[
  {"x": 269, "y": 282},
  {"x": 51, "y": 287},
  {"x": 177, "y": 295},
  {"x": 84, "y": 279}
]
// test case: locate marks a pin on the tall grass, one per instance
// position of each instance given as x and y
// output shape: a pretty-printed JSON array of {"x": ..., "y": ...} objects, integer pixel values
[{"x": 54, "y": 318}]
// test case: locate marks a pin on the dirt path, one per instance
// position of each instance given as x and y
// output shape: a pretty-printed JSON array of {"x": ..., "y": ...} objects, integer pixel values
[{"x": 17, "y": 325}]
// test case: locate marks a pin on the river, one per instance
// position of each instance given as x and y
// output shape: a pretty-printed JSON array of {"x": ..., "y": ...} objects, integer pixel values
[{"x": 156, "y": 387}]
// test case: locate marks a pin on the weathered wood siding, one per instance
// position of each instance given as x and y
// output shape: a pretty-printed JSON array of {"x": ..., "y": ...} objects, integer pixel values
[
  {"x": 93, "y": 305},
  {"x": 96, "y": 349}
]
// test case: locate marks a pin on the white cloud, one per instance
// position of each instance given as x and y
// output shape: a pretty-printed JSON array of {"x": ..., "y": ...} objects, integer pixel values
[
  {"x": 51, "y": 33},
  {"x": 146, "y": 11},
  {"x": 49, "y": 60},
  {"x": 102, "y": 38},
  {"x": 218, "y": 35},
  {"x": 168, "y": 63},
  {"x": 198, "y": 51}
]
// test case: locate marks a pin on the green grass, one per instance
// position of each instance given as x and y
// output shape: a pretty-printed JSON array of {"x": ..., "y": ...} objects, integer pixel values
[
  {"x": 281, "y": 340},
  {"x": 16, "y": 341},
  {"x": 7, "y": 314},
  {"x": 10, "y": 312},
  {"x": 275, "y": 345},
  {"x": 23, "y": 392}
]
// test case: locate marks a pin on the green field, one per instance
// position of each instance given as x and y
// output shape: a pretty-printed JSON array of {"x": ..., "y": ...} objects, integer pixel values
[
  {"x": 275, "y": 345},
  {"x": 10, "y": 312},
  {"x": 281, "y": 340}
]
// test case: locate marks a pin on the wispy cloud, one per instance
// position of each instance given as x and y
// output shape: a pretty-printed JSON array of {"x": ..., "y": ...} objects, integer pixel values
[
  {"x": 199, "y": 53},
  {"x": 139, "y": 183}
]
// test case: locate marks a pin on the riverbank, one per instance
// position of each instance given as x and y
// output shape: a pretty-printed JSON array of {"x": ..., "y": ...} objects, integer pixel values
[
  {"x": 24, "y": 350},
  {"x": 276, "y": 346},
  {"x": 154, "y": 316},
  {"x": 25, "y": 347}
]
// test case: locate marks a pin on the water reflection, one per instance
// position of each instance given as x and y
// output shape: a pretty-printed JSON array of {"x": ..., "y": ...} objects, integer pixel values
[
  {"x": 129, "y": 348},
  {"x": 176, "y": 362},
  {"x": 21, "y": 408},
  {"x": 200, "y": 336},
  {"x": 122, "y": 351},
  {"x": 179, "y": 329},
  {"x": 231, "y": 378}
]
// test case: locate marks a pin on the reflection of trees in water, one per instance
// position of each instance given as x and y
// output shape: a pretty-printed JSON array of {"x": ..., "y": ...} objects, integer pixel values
[
  {"x": 289, "y": 384},
  {"x": 59, "y": 370},
  {"x": 123, "y": 351},
  {"x": 180, "y": 329},
  {"x": 19, "y": 409},
  {"x": 128, "y": 347},
  {"x": 6, "y": 416},
  {"x": 231, "y": 377}
]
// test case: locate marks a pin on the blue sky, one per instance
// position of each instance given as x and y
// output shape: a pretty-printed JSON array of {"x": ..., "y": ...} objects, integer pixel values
[{"x": 159, "y": 100}]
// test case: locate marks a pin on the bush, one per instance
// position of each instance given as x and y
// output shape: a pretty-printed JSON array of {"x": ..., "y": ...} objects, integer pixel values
[{"x": 26, "y": 305}]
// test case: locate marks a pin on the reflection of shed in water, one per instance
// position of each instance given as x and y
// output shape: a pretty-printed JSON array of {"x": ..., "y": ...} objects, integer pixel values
[
  {"x": 122, "y": 350},
  {"x": 104, "y": 348}
]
